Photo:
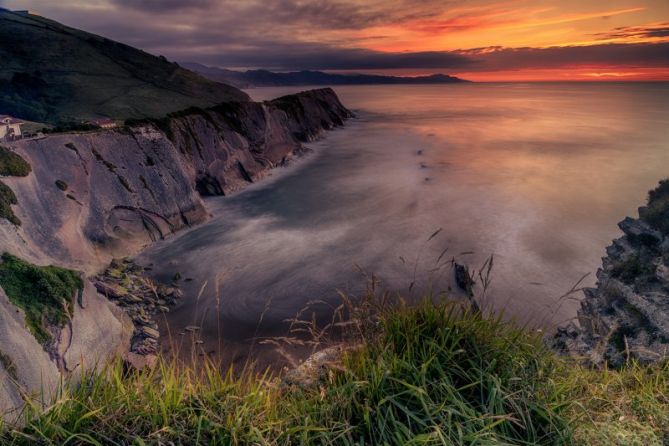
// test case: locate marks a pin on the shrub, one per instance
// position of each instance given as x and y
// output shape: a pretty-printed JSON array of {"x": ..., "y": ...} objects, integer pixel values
[
  {"x": 62, "y": 185},
  {"x": 45, "y": 293},
  {"x": 7, "y": 199},
  {"x": 12, "y": 165},
  {"x": 656, "y": 213},
  {"x": 631, "y": 269}
]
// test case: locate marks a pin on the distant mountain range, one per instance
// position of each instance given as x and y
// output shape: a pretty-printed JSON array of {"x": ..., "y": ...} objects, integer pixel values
[
  {"x": 53, "y": 73},
  {"x": 265, "y": 78}
]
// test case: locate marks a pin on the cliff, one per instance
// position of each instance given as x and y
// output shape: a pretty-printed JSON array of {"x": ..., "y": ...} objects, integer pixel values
[
  {"x": 626, "y": 316},
  {"x": 88, "y": 197}
]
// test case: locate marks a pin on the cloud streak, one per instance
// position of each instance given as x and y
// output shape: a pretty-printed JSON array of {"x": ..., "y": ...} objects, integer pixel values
[
  {"x": 279, "y": 57},
  {"x": 637, "y": 32}
]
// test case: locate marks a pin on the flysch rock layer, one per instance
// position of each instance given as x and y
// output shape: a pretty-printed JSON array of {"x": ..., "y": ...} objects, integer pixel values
[
  {"x": 626, "y": 316},
  {"x": 126, "y": 188}
]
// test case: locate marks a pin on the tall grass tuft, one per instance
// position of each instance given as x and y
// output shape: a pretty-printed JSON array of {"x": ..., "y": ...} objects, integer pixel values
[{"x": 428, "y": 374}]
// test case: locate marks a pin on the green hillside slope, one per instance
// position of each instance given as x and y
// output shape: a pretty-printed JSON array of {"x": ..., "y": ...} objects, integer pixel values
[{"x": 53, "y": 73}]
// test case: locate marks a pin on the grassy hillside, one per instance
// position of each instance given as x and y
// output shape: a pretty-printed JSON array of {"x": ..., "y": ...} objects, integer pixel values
[
  {"x": 423, "y": 375},
  {"x": 53, "y": 73}
]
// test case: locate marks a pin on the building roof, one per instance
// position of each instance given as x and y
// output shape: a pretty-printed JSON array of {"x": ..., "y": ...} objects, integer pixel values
[
  {"x": 100, "y": 121},
  {"x": 12, "y": 119}
]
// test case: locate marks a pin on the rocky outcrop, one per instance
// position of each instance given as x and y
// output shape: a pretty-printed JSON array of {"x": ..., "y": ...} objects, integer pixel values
[
  {"x": 125, "y": 283},
  {"x": 94, "y": 196},
  {"x": 627, "y": 315}
]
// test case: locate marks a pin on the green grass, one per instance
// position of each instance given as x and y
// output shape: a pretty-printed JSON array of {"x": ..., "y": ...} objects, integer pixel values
[
  {"x": 429, "y": 374},
  {"x": 7, "y": 199},
  {"x": 632, "y": 269},
  {"x": 12, "y": 164},
  {"x": 45, "y": 293}
]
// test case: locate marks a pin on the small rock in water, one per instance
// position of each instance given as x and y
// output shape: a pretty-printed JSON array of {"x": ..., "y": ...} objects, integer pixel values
[{"x": 464, "y": 279}]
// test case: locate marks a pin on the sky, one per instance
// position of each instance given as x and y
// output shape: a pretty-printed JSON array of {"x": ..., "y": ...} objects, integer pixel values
[{"x": 480, "y": 40}]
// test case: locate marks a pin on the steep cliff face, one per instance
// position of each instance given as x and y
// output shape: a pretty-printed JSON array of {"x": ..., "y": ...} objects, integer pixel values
[
  {"x": 127, "y": 187},
  {"x": 627, "y": 314},
  {"x": 97, "y": 195}
]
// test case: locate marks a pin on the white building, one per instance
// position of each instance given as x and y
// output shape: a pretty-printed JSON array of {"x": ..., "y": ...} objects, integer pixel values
[{"x": 10, "y": 128}]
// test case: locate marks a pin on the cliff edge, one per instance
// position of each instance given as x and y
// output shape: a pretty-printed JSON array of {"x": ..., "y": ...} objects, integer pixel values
[{"x": 626, "y": 316}]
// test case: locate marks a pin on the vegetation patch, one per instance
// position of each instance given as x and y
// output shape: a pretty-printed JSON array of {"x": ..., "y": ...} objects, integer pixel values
[
  {"x": 69, "y": 127},
  {"x": 619, "y": 337},
  {"x": 12, "y": 164},
  {"x": 7, "y": 199},
  {"x": 429, "y": 374},
  {"x": 111, "y": 166},
  {"x": 193, "y": 111},
  {"x": 62, "y": 185},
  {"x": 656, "y": 213},
  {"x": 45, "y": 293},
  {"x": 290, "y": 103},
  {"x": 72, "y": 147},
  {"x": 631, "y": 269},
  {"x": 230, "y": 112},
  {"x": 124, "y": 183}
]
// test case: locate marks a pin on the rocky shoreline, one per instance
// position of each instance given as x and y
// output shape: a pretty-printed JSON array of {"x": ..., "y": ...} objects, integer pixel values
[
  {"x": 626, "y": 316},
  {"x": 125, "y": 283}
]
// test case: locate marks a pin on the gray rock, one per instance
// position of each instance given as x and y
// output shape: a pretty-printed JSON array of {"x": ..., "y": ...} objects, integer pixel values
[
  {"x": 627, "y": 315},
  {"x": 150, "y": 332}
]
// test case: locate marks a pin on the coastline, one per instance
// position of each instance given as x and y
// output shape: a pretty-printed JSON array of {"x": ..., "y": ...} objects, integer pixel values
[{"x": 109, "y": 203}]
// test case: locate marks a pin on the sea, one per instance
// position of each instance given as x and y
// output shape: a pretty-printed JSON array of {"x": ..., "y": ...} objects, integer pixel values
[{"x": 523, "y": 183}]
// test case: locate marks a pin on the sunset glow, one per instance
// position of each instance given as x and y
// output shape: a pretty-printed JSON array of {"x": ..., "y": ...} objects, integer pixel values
[{"x": 483, "y": 40}]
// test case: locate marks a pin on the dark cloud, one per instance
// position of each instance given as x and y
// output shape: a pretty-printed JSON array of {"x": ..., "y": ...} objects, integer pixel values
[
  {"x": 627, "y": 55},
  {"x": 288, "y": 56},
  {"x": 291, "y": 56},
  {"x": 661, "y": 30},
  {"x": 164, "y": 5}
]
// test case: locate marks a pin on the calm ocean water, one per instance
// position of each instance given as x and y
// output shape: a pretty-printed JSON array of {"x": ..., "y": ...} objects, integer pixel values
[{"x": 537, "y": 175}]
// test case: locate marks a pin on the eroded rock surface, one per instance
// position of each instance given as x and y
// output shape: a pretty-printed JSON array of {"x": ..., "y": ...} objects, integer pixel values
[
  {"x": 627, "y": 315},
  {"x": 128, "y": 187},
  {"x": 124, "y": 282}
]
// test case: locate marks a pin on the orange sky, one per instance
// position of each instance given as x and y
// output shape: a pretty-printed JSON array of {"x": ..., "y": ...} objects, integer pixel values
[
  {"x": 529, "y": 23},
  {"x": 481, "y": 40}
]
